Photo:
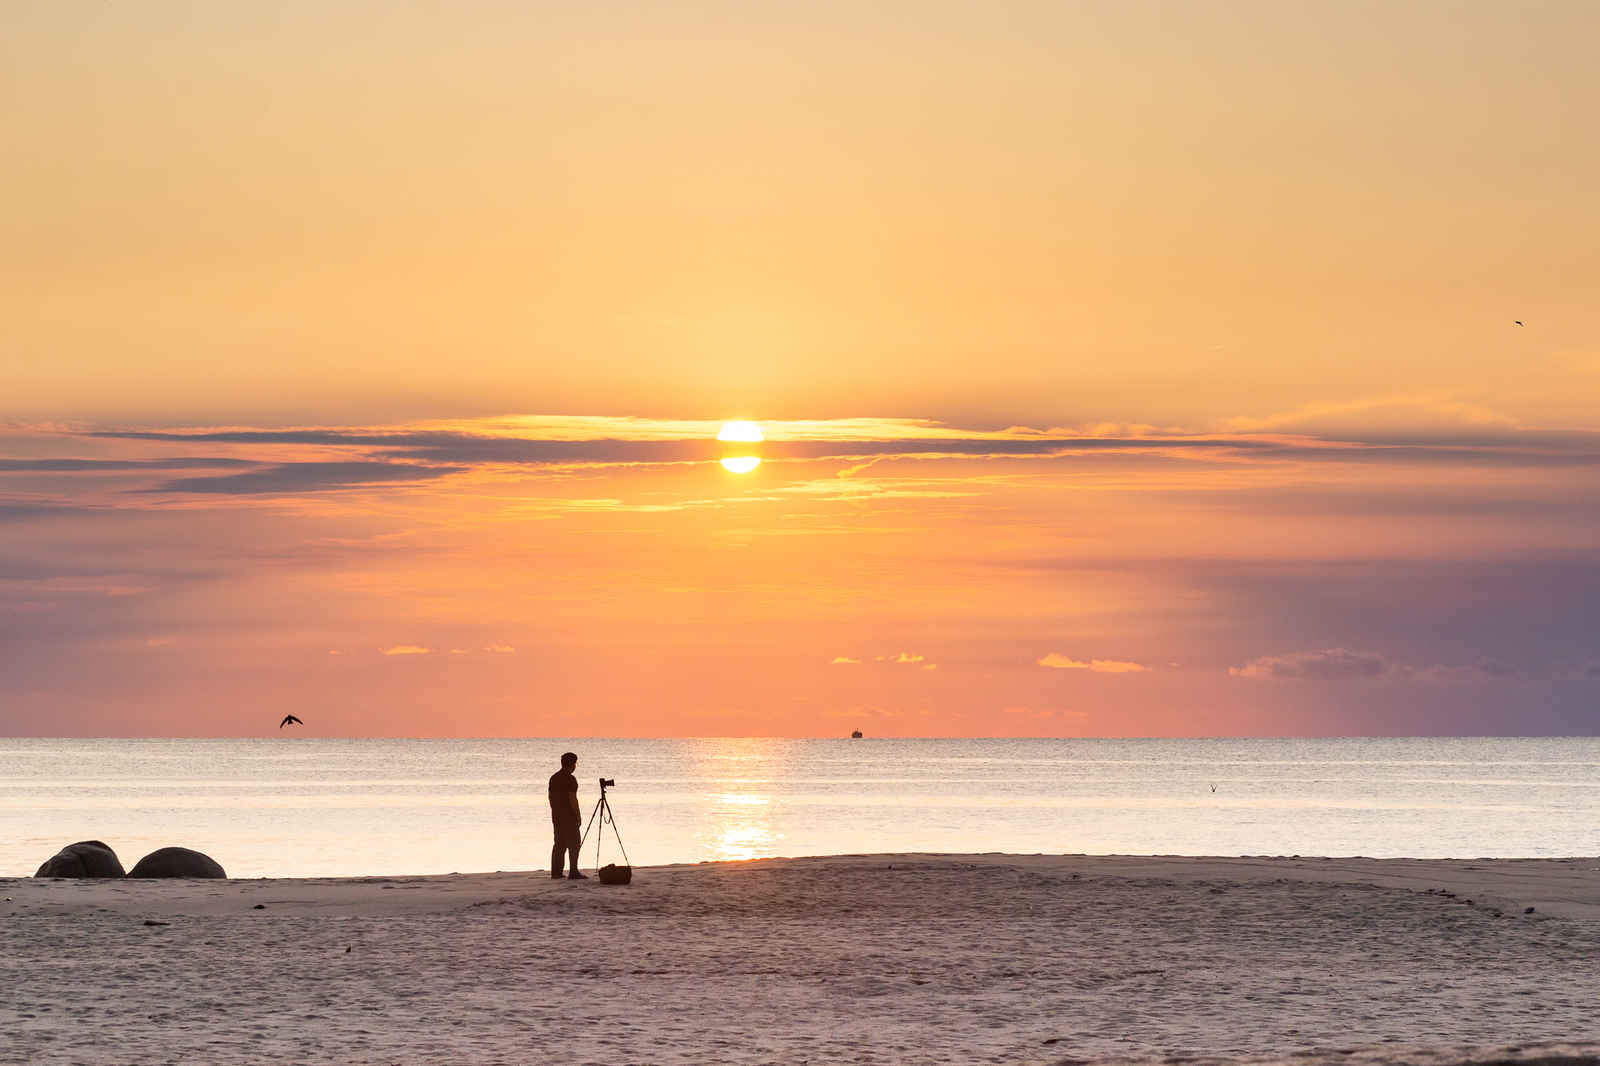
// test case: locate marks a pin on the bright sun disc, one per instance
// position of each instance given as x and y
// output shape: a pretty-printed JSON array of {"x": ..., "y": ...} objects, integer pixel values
[
  {"x": 741, "y": 464},
  {"x": 745, "y": 431}
]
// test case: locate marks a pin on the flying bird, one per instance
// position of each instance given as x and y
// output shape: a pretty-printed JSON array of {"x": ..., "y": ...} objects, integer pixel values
[
  {"x": 1520, "y": 324},
  {"x": 288, "y": 719}
]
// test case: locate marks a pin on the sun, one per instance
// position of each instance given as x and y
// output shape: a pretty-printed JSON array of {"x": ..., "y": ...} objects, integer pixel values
[{"x": 744, "y": 433}]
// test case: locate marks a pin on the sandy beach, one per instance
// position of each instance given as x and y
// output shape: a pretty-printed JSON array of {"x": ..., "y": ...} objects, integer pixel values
[{"x": 882, "y": 958}]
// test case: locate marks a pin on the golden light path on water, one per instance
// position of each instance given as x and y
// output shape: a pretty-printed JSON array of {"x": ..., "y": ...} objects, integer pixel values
[
  {"x": 741, "y": 828},
  {"x": 737, "y": 819}
]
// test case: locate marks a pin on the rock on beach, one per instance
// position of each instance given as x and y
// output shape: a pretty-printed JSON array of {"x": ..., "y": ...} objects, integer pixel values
[
  {"x": 86, "y": 858},
  {"x": 178, "y": 862}
]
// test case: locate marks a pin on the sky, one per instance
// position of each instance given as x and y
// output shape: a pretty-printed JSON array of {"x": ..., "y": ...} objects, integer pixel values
[{"x": 1124, "y": 369}]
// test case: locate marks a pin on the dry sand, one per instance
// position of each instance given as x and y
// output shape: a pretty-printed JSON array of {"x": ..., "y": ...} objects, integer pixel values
[{"x": 888, "y": 958}]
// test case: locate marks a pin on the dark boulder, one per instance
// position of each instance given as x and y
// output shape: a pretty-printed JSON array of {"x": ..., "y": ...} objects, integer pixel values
[
  {"x": 177, "y": 862},
  {"x": 86, "y": 858}
]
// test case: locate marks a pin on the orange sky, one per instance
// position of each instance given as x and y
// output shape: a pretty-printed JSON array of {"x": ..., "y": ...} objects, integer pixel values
[{"x": 1174, "y": 335}]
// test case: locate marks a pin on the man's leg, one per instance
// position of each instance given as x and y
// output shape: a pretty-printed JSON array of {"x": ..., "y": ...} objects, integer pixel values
[
  {"x": 558, "y": 852},
  {"x": 574, "y": 844}
]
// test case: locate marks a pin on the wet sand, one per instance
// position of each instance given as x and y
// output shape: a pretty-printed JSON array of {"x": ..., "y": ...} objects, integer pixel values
[{"x": 888, "y": 958}]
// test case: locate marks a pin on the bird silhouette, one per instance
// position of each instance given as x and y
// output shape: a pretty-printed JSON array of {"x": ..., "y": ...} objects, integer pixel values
[
  {"x": 287, "y": 719},
  {"x": 1520, "y": 324}
]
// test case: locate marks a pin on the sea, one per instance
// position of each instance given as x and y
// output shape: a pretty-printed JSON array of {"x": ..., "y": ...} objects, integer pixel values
[{"x": 326, "y": 808}]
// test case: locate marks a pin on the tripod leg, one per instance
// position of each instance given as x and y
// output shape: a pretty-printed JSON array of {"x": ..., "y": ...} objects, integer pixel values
[
  {"x": 592, "y": 818},
  {"x": 605, "y": 809},
  {"x": 610, "y": 817},
  {"x": 614, "y": 830}
]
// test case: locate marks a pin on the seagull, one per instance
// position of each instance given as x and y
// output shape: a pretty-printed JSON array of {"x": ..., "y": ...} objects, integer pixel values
[
  {"x": 1520, "y": 324},
  {"x": 288, "y": 719}
]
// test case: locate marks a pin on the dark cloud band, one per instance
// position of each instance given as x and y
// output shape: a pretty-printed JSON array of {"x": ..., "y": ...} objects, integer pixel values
[
  {"x": 290, "y": 478},
  {"x": 91, "y": 465}
]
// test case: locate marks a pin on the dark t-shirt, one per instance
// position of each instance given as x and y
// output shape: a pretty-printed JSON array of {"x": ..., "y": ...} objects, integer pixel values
[{"x": 562, "y": 785}]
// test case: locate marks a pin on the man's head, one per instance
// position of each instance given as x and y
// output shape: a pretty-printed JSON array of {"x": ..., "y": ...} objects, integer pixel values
[{"x": 568, "y": 761}]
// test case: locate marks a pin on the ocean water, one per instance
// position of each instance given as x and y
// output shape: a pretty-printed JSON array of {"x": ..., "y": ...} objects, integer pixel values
[{"x": 281, "y": 808}]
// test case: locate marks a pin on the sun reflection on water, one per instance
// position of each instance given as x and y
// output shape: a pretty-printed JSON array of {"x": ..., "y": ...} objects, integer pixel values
[
  {"x": 742, "y": 800},
  {"x": 743, "y": 810},
  {"x": 740, "y": 826}
]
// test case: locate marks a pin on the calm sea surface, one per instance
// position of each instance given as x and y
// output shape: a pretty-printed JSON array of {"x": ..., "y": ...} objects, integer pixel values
[{"x": 350, "y": 807}]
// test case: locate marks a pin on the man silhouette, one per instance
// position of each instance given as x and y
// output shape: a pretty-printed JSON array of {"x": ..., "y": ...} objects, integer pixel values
[{"x": 566, "y": 817}]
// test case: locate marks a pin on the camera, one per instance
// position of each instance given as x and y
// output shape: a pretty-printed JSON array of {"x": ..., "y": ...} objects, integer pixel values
[{"x": 608, "y": 782}]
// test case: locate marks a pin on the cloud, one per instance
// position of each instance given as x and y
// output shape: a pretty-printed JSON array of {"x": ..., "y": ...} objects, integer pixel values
[
  {"x": 1030, "y": 713},
  {"x": 863, "y": 711},
  {"x": 488, "y": 441},
  {"x": 1333, "y": 664},
  {"x": 1338, "y": 664},
  {"x": 405, "y": 649},
  {"x": 1099, "y": 666},
  {"x": 1409, "y": 410},
  {"x": 10, "y": 510},
  {"x": 908, "y": 657},
  {"x": 499, "y": 647},
  {"x": 328, "y": 459},
  {"x": 24, "y": 466},
  {"x": 307, "y": 477},
  {"x": 931, "y": 666},
  {"x": 1483, "y": 670},
  {"x": 843, "y": 659}
]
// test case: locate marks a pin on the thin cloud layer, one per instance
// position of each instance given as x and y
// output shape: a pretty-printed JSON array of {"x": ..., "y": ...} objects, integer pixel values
[
  {"x": 294, "y": 478},
  {"x": 1099, "y": 666},
  {"x": 1337, "y": 664},
  {"x": 278, "y": 462},
  {"x": 1332, "y": 664}
]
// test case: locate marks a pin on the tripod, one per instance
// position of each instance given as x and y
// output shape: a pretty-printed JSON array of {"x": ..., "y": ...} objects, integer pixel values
[{"x": 602, "y": 811}]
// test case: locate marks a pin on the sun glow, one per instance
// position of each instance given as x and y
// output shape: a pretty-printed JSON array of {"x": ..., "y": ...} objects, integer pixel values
[{"x": 742, "y": 431}]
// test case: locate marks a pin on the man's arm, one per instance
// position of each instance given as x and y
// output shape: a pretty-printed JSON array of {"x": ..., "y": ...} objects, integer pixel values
[{"x": 572, "y": 797}]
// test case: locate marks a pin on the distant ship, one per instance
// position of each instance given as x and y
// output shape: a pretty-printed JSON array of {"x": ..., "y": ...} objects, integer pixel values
[{"x": 856, "y": 735}]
